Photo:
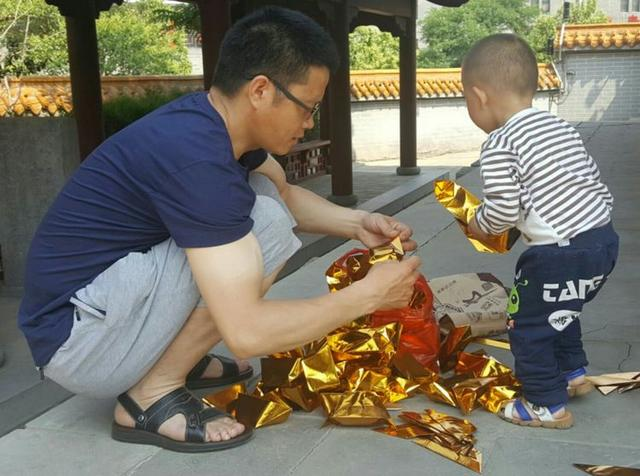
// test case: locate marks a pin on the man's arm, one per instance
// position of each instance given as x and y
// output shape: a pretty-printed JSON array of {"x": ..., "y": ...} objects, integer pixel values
[
  {"x": 314, "y": 214},
  {"x": 230, "y": 280}
]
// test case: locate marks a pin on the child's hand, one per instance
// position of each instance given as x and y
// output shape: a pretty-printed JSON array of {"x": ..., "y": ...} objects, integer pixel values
[{"x": 475, "y": 230}]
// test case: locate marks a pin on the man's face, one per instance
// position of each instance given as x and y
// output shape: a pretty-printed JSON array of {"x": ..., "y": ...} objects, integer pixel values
[{"x": 284, "y": 123}]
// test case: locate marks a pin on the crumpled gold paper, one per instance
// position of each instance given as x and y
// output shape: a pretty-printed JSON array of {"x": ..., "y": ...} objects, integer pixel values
[
  {"x": 443, "y": 434},
  {"x": 354, "y": 408},
  {"x": 462, "y": 204},
  {"x": 357, "y": 263},
  {"x": 320, "y": 370},
  {"x": 454, "y": 343},
  {"x": 479, "y": 380},
  {"x": 608, "y": 470},
  {"x": 223, "y": 398},
  {"x": 258, "y": 412}
]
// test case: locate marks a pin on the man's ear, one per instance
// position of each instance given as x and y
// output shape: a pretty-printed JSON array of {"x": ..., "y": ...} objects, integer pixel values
[
  {"x": 259, "y": 91},
  {"x": 481, "y": 95}
]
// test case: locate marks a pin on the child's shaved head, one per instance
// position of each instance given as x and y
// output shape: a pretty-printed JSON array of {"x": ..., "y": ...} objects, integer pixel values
[{"x": 503, "y": 62}]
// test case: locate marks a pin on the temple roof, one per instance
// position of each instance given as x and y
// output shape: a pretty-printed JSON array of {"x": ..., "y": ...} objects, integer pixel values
[
  {"x": 600, "y": 36},
  {"x": 91, "y": 8},
  {"x": 430, "y": 83},
  {"x": 51, "y": 95}
]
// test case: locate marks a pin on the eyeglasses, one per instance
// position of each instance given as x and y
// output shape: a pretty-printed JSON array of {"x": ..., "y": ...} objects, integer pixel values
[{"x": 311, "y": 111}]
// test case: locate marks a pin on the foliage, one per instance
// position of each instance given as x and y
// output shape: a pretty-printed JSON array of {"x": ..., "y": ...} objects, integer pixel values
[
  {"x": 132, "y": 39},
  {"x": 121, "y": 111},
  {"x": 134, "y": 44},
  {"x": 450, "y": 32},
  {"x": 185, "y": 16},
  {"x": 541, "y": 34},
  {"x": 544, "y": 28},
  {"x": 370, "y": 48}
]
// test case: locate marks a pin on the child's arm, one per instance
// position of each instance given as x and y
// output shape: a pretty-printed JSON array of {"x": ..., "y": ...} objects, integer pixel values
[
  {"x": 500, "y": 209},
  {"x": 476, "y": 232}
]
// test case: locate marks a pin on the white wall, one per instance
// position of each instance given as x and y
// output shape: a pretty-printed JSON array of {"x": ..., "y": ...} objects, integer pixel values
[{"x": 443, "y": 126}]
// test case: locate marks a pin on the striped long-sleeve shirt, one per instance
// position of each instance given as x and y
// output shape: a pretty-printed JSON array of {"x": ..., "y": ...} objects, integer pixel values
[{"x": 539, "y": 178}]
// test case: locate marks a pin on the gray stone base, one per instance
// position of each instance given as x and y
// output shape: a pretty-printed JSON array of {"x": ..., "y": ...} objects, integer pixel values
[{"x": 38, "y": 156}]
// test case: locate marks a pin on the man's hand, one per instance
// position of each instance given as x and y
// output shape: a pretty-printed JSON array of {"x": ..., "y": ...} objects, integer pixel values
[
  {"x": 391, "y": 283},
  {"x": 377, "y": 230}
]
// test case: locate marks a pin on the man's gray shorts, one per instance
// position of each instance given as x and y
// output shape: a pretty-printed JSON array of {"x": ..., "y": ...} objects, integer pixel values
[{"x": 130, "y": 313}]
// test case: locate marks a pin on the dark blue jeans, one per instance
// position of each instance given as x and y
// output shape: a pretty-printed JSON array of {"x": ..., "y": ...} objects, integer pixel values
[{"x": 551, "y": 286}]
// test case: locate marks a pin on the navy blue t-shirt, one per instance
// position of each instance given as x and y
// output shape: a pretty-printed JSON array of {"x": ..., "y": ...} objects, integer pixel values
[{"x": 172, "y": 173}]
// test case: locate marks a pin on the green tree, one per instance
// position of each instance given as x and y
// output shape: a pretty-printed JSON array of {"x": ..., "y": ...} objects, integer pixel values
[
  {"x": 544, "y": 28},
  {"x": 450, "y": 32},
  {"x": 132, "y": 40},
  {"x": 370, "y": 48}
]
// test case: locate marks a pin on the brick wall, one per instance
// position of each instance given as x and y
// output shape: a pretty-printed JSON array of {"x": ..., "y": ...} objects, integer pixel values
[
  {"x": 600, "y": 85},
  {"x": 443, "y": 126}
]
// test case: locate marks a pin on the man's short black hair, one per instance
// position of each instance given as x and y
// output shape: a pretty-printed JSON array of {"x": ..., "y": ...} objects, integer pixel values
[
  {"x": 503, "y": 61},
  {"x": 277, "y": 42}
]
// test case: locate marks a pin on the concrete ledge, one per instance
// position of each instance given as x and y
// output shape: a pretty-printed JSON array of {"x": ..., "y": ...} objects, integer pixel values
[
  {"x": 388, "y": 203},
  {"x": 27, "y": 405}
]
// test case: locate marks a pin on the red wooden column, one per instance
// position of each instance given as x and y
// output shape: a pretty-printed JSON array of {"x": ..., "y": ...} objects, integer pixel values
[
  {"x": 215, "y": 20},
  {"x": 408, "y": 102},
  {"x": 85, "y": 81},
  {"x": 340, "y": 110}
]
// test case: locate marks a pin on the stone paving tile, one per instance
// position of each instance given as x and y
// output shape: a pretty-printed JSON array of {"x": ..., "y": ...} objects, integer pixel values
[{"x": 34, "y": 452}]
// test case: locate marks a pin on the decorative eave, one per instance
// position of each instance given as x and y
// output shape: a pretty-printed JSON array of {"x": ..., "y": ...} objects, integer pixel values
[
  {"x": 83, "y": 8},
  {"x": 51, "y": 95},
  {"x": 430, "y": 83},
  {"x": 601, "y": 36}
]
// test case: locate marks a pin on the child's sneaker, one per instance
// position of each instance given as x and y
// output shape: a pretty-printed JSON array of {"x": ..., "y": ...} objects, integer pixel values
[
  {"x": 577, "y": 384},
  {"x": 524, "y": 413}
]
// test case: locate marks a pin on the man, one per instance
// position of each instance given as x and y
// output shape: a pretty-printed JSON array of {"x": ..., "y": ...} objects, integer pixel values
[{"x": 166, "y": 239}]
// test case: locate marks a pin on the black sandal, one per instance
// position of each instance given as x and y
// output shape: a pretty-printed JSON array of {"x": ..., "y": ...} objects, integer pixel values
[
  {"x": 230, "y": 373},
  {"x": 180, "y": 401}
]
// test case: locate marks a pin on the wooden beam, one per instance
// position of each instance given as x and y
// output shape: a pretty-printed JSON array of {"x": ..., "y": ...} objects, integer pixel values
[
  {"x": 215, "y": 20},
  {"x": 340, "y": 107},
  {"x": 84, "y": 67},
  {"x": 408, "y": 102}
]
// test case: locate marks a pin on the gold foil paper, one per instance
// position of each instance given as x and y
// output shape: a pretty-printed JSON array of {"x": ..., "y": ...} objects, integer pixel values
[
  {"x": 492, "y": 399},
  {"x": 498, "y": 343},
  {"x": 223, "y": 398},
  {"x": 455, "y": 342},
  {"x": 355, "y": 408},
  {"x": 410, "y": 368},
  {"x": 406, "y": 431},
  {"x": 393, "y": 251},
  {"x": 480, "y": 365},
  {"x": 463, "y": 205},
  {"x": 608, "y": 470},
  {"x": 320, "y": 371},
  {"x": 257, "y": 412},
  {"x": 280, "y": 372},
  {"x": 446, "y": 435},
  {"x": 300, "y": 397},
  {"x": 471, "y": 457},
  {"x": 468, "y": 393}
]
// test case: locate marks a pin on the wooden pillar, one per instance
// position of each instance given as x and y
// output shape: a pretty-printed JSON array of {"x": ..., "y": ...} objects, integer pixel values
[
  {"x": 340, "y": 107},
  {"x": 215, "y": 20},
  {"x": 408, "y": 102},
  {"x": 325, "y": 123},
  {"x": 84, "y": 67}
]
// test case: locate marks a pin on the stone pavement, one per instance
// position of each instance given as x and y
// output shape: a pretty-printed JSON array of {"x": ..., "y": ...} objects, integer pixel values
[{"x": 73, "y": 438}]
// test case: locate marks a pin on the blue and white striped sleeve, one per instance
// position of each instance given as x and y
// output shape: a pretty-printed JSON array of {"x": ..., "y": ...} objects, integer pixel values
[{"x": 500, "y": 209}]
